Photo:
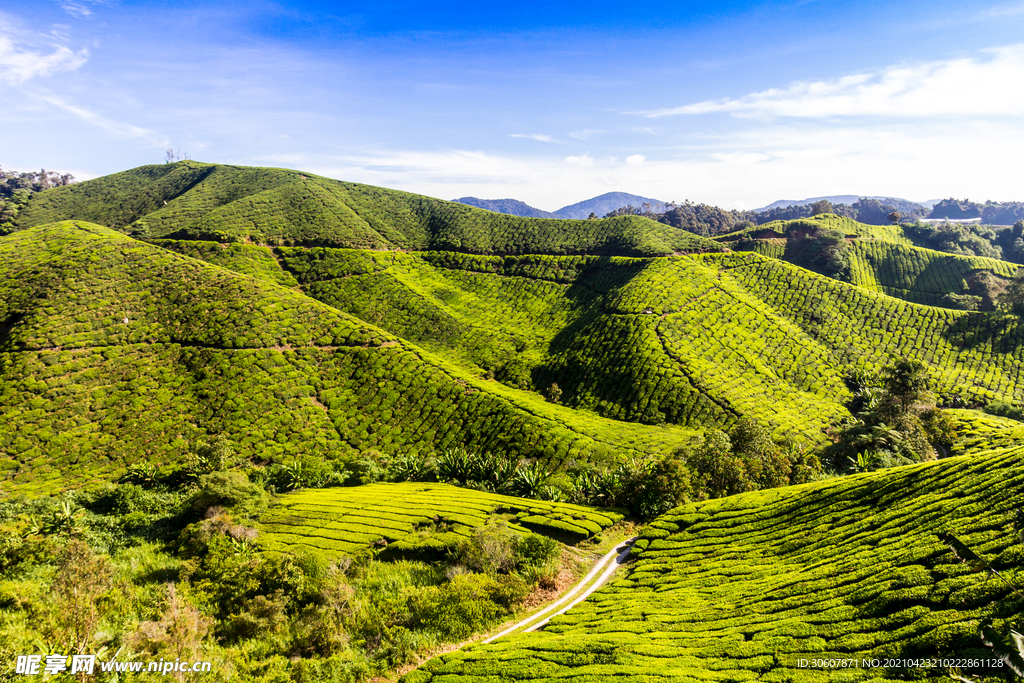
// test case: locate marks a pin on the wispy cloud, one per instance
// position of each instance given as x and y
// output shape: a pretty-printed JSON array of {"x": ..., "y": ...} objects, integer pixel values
[
  {"x": 536, "y": 136},
  {"x": 19, "y": 64},
  {"x": 585, "y": 134},
  {"x": 119, "y": 129},
  {"x": 959, "y": 87},
  {"x": 80, "y": 8}
]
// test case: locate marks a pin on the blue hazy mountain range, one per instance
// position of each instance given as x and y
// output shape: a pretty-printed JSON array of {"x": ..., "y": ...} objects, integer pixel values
[
  {"x": 840, "y": 199},
  {"x": 610, "y": 201},
  {"x": 599, "y": 205}
]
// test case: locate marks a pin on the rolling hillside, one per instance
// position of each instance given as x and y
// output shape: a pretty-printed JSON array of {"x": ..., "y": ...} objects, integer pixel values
[
  {"x": 112, "y": 351},
  {"x": 695, "y": 340},
  {"x": 743, "y": 588},
  {"x": 882, "y": 258},
  {"x": 192, "y": 200},
  {"x": 116, "y": 349}
]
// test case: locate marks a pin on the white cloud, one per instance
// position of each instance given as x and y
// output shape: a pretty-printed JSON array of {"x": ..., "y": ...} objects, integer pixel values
[
  {"x": 535, "y": 136},
  {"x": 582, "y": 161},
  {"x": 980, "y": 87},
  {"x": 636, "y": 160},
  {"x": 745, "y": 170},
  {"x": 18, "y": 65}
]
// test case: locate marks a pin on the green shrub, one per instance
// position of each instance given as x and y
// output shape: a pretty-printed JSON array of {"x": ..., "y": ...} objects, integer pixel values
[
  {"x": 468, "y": 603},
  {"x": 230, "y": 490}
]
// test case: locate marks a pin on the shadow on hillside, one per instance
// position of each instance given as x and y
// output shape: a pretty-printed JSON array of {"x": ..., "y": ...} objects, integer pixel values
[
  {"x": 7, "y": 326},
  {"x": 1003, "y": 333},
  {"x": 603, "y": 360}
]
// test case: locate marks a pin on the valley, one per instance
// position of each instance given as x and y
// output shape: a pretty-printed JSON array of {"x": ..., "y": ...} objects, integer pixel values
[{"x": 355, "y": 425}]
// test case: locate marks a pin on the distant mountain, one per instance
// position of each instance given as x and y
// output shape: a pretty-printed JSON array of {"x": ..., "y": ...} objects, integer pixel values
[
  {"x": 605, "y": 203},
  {"x": 513, "y": 207},
  {"x": 835, "y": 199},
  {"x": 599, "y": 206}
]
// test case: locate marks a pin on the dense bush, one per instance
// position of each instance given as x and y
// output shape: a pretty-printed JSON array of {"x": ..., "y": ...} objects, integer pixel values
[
  {"x": 746, "y": 459},
  {"x": 230, "y": 490},
  {"x": 896, "y": 420}
]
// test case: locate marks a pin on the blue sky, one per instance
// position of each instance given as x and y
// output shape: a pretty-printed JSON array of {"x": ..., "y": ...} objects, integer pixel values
[{"x": 735, "y": 104}]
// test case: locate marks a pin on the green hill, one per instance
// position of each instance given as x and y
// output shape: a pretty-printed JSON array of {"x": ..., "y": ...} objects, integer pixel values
[
  {"x": 825, "y": 221},
  {"x": 116, "y": 349},
  {"x": 197, "y": 201},
  {"x": 881, "y": 258},
  {"x": 113, "y": 351},
  {"x": 417, "y": 520},
  {"x": 695, "y": 340},
  {"x": 916, "y": 274},
  {"x": 745, "y": 587}
]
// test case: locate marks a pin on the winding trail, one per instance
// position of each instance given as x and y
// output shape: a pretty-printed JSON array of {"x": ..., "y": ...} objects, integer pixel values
[{"x": 597, "y": 577}]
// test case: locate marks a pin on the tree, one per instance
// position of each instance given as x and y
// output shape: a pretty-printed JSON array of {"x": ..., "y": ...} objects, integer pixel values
[
  {"x": 664, "y": 487},
  {"x": 988, "y": 286},
  {"x": 894, "y": 217},
  {"x": 905, "y": 383},
  {"x": 1012, "y": 298},
  {"x": 821, "y": 206},
  {"x": 716, "y": 471},
  {"x": 179, "y": 633},
  {"x": 172, "y": 155},
  {"x": 890, "y": 430}
]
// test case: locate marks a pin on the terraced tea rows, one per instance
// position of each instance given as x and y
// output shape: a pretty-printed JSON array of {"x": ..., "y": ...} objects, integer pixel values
[
  {"x": 915, "y": 274},
  {"x": 206, "y": 351},
  {"x": 195, "y": 201},
  {"x": 980, "y": 432},
  {"x": 694, "y": 340},
  {"x": 743, "y": 588},
  {"x": 973, "y": 354},
  {"x": 471, "y": 314},
  {"x": 906, "y": 272},
  {"x": 249, "y": 259},
  {"x": 413, "y": 519}
]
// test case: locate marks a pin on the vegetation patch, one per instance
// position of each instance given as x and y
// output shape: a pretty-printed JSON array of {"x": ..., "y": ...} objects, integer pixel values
[
  {"x": 742, "y": 588},
  {"x": 196, "y": 201},
  {"x": 414, "y": 519}
]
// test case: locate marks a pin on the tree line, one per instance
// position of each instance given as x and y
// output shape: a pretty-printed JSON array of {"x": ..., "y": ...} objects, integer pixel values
[
  {"x": 710, "y": 221},
  {"x": 16, "y": 187}
]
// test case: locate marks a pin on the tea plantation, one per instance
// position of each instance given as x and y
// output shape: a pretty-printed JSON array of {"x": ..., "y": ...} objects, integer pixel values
[
  {"x": 114, "y": 351},
  {"x": 413, "y": 519},
  {"x": 694, "y": 340},
  {"x": 197, "y": 201},
  {"x": 117, "y": 350},
  {"x": 743, "y": 588},
  {"x": 906, "y": 272}
]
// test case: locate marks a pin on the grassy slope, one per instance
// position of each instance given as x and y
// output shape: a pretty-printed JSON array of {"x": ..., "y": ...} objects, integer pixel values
[
  {"x": 192, "y": 200},
  {"x": 978, "y": 354},
  {"x": 883, "y": 259},
  {"x": 851, "y": 228},
  {"x": 206, "y": 351},
  {"x": 412, "y": 517},
  {"x": 739, "y": 588},
  {"x": 695, "y": 340}
]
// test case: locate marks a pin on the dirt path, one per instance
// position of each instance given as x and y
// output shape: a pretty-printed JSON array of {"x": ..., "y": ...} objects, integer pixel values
[{"x": 597, "y": 577}]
